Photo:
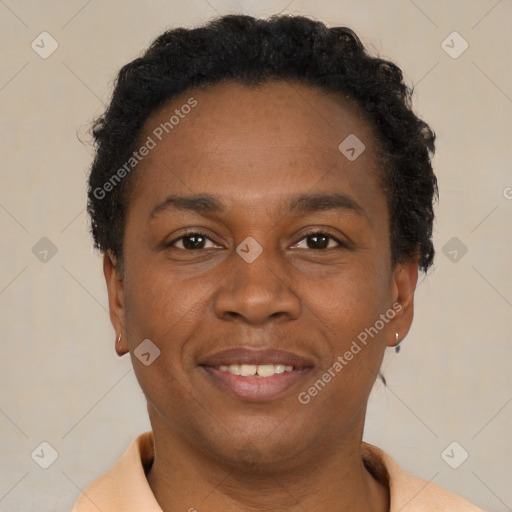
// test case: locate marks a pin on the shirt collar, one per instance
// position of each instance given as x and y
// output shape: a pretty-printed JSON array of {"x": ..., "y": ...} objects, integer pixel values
[{"x": 125, "y": 487}]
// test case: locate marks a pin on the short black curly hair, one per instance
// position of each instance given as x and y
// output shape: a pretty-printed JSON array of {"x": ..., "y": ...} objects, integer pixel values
[{"x": 253, "y": 51}]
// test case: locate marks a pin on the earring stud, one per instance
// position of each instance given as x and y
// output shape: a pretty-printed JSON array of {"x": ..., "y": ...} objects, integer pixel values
[
  {"x": 397, "y": 346},
  {"x": 119, "y": 339}
]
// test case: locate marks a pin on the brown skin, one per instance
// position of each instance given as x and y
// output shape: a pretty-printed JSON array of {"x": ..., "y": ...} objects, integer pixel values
[{"x": 253, "y": 148}]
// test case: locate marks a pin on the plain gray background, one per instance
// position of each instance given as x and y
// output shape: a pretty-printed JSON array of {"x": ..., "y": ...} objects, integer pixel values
[{"x": 62, "y": 382}]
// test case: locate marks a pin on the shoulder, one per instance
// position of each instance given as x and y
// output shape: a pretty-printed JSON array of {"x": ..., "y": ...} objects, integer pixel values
[
  {"x": 410, "y": 493},
  {"x": 124, "y": 486}
]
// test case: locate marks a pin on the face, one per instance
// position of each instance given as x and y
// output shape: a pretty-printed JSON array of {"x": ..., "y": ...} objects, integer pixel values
[{"x": 253, "y": 242}]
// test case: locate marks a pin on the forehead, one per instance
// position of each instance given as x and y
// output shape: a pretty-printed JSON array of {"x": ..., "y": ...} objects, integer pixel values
[
  {"x": 262, "y": 140},
  {"x": 229, "y": 114}
]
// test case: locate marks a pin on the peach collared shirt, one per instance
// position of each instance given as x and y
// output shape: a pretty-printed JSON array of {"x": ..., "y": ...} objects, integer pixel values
[{"x": 124, "y": 488}]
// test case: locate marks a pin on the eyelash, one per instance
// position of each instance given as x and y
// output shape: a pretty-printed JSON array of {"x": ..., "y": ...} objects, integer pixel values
[{"x": 324, "y": 232}]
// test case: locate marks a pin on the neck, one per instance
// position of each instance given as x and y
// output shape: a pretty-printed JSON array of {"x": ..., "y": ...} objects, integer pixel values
[{"x": 329, "y": 480}]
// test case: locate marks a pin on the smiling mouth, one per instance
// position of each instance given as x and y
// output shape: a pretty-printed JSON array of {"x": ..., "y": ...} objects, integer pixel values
[
  {"x": 255, "y": 375},
  {"x": 256, "y": 382},
  {"x": 256, "y": 370}
]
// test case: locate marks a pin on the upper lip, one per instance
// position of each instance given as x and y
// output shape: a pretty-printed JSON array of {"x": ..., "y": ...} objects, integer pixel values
[{"x": 255, "y": 356}]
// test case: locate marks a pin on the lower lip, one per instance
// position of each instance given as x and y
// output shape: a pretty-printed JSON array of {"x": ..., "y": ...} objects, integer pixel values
[{"x": 256, "y": 389}]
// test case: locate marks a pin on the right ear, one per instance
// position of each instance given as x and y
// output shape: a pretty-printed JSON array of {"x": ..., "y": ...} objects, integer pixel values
[{"x": 115, "y": 300}]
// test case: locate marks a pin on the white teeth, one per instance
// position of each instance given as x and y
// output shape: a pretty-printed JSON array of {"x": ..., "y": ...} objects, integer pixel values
[
  {"x": 259, "y": 370},
  {"x": 246, "y": 370},
  {"x": 234, "y": 369},
  {"x": 266, "y": 370}
]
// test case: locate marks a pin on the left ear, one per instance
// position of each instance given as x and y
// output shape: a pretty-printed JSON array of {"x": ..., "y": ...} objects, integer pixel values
[
  {"x": 115, "y": 301},
  {"x": 402, "y": 293}
]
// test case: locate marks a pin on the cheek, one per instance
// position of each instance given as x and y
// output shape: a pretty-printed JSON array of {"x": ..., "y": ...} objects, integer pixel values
[
  {"x": 159, "y": 307},
  {"x": 166, "y": 312},
  {"x": 352, "y": 296},
  {"x": 347, "y": 309}
]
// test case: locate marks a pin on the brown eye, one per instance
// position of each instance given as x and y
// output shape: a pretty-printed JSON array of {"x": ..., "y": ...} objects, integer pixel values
[
  {"x": 320, "y": 240},
  {"x": 191, "y": 241}
]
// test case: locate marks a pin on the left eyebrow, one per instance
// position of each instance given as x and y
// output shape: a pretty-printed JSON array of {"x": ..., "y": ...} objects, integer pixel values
[
  {"x": 300, "y": 204},
  {"x": 202, "y": 203}
]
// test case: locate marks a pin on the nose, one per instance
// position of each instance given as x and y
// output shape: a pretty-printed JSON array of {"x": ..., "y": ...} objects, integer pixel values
[{"x": 257, "y": 292}]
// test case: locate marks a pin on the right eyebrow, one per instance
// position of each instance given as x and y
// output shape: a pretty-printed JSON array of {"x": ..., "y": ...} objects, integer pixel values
[{"x": 311, "y": 203}]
